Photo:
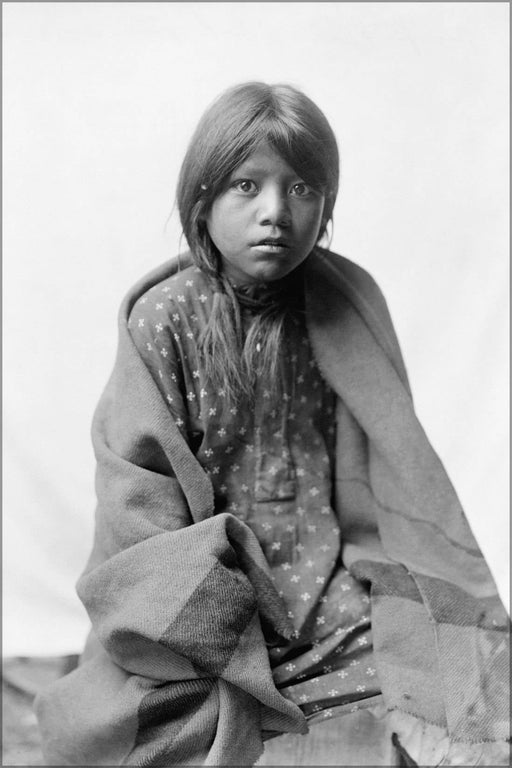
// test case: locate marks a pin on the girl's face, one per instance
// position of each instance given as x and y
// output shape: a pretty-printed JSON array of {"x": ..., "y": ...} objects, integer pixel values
[{"x": 266, "y": 220}]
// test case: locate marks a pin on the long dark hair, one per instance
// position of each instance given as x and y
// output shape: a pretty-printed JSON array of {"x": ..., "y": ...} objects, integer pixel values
[{"x": 228, "y": 132}]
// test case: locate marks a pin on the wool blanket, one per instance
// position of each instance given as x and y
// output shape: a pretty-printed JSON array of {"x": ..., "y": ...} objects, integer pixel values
[{"x": 176, "y": 670}]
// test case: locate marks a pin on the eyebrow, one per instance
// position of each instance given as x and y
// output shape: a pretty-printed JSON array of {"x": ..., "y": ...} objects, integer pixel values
[{"x": 248, "y": 168}]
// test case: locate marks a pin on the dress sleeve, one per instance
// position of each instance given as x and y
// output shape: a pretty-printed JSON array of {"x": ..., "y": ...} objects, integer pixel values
[{"x": 154, "y": 337}]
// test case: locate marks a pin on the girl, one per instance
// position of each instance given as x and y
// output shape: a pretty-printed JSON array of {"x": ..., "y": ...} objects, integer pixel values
[{"x": 277, "y": 545}]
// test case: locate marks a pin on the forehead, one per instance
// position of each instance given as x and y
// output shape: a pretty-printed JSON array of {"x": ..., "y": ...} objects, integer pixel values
[{"x": 265, "y": 160}]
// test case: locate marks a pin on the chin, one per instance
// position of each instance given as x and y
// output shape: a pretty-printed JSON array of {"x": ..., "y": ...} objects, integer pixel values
[
  {"x": 266, "y": 271},
  {"x": 271, "y": 273}
]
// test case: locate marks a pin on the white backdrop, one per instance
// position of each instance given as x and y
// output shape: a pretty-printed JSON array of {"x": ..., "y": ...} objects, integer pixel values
[{"x": 99, "y": 103}]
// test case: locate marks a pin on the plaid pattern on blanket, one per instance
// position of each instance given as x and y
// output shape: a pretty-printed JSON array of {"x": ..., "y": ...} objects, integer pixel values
[{"x": 181, "y": 601}]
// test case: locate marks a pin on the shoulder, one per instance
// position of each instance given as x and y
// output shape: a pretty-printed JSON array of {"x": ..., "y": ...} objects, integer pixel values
[
  {"x": 171, "y": 286},
  {"x": 339, "y": 268},
  {"x": 333, "y": 281},
  {"x": 325, "y": 267}
]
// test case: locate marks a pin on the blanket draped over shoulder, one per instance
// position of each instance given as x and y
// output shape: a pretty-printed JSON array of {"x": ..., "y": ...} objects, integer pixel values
[{"x": 183, "y": 608}]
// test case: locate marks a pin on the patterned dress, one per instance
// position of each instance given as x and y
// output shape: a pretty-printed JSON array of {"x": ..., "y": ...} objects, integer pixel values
[{"x": 271, "y": 465}]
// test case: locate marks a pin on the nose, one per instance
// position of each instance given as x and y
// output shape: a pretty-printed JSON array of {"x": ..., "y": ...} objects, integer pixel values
[{"x": 274, "y": 207}]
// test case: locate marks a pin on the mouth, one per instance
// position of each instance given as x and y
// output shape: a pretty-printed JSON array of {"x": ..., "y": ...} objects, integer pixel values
[{"x": 272, "y": 245}]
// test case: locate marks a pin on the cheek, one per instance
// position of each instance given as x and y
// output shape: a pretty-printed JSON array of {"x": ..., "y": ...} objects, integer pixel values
[
  {"x": 320, "y": 212},
  {"x": 211, "y": 223},
  {"x": 222, "y": 224},
  {"x": 312, "y": 222}
]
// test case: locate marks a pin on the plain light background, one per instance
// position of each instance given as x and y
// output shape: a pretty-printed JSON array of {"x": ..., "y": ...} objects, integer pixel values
[{"x": 100, "y": 100}]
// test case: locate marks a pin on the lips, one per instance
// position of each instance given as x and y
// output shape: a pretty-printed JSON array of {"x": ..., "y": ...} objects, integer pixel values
[{"x": 278, "y": 242}]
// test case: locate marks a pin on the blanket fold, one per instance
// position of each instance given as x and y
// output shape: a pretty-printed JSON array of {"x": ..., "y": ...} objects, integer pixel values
[
  {"x": 435, "y": 608},
  {"x": 182, "y": 602}
]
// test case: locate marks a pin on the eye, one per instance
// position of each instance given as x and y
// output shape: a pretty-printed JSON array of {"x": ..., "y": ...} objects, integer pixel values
[
  {"x": 300, "y": 189},
  {"x": 244, "y": 185}
]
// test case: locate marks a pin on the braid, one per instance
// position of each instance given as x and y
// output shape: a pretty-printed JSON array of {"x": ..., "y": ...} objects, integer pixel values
[
  {"x": 221, "y": 343},
  {"x": 263, "y": 348}
]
